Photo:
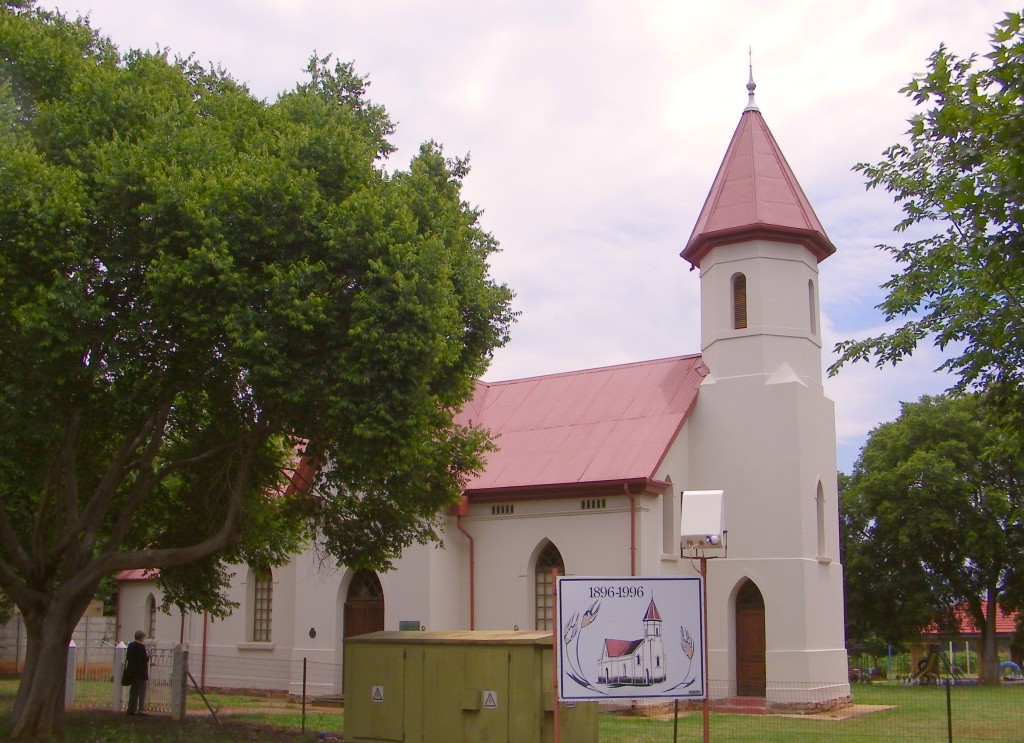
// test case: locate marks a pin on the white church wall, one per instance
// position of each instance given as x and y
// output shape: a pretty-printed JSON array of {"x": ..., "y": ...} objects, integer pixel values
[
  {"x": 449, "y": 581},
  {"x": 674, "y": 469},
  {"x": 591, "y": 542}
]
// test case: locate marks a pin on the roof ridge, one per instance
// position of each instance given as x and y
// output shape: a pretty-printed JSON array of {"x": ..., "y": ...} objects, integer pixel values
[{"x": 591, "y": 370}]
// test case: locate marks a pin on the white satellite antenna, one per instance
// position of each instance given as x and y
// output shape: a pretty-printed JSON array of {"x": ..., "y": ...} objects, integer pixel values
[{"x": 702, "y": 519}]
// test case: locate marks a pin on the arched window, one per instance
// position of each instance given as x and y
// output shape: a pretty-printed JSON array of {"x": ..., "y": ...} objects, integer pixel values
[
  {"x": 544, "y": 600},
  {"x": 739, "y": 301},
  {"x": 813, "y": 306},
  {"x": 150, "y": 616},
  {"x": 262, "y": 605}
]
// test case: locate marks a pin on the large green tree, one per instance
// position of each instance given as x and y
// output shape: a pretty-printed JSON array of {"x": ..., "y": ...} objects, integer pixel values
[
  {"x": 959, "y": 178},
  {"x": 931, "y": 520},
  {"x": 195, "y": 287}
]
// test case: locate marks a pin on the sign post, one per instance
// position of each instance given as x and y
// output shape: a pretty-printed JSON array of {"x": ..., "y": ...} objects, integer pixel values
[
  {"x": 630, "y": 638},
  {"x": 556, "y": 718}
]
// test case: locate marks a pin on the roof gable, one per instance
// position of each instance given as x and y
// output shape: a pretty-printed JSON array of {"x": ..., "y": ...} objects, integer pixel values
[
  {"x": 592, "y": 426},
  {"x": 755, "y": 196}
]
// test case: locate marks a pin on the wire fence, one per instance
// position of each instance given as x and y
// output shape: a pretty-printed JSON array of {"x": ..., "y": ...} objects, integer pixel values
[
  {"x": 878, "y": 711},
  {"x": 306, "y": 696}
]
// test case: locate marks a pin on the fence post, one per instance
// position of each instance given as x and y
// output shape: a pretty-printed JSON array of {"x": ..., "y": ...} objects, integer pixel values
[
  {"x": 69, "y": 676},
  {"x": 117, "y": 695},
  {"x": 85, "y": 648},
  {"x": 949, "y": 710},
  {"x": 179, "y": 674}
]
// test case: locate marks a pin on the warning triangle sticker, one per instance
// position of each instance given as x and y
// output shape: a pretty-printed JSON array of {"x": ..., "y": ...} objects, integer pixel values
[
  {"x": 490, "y": 700},
  {"x": 377, "y": 694}
]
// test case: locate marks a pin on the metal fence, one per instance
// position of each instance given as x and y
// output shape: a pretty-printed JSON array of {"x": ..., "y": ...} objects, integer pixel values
[{"x": 306, "y": 695}]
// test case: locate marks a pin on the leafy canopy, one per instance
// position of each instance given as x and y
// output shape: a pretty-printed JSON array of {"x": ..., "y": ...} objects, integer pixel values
[
  {"x": 193, "y": 283},
  {"x": 961, "y": 173},
  {"x": 931, "y": 519}
]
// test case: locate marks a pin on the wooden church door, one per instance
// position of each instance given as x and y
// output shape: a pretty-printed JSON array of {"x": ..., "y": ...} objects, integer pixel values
[
  {"x": 364, "y": 605},
  {"x": 750, "y": 642}
]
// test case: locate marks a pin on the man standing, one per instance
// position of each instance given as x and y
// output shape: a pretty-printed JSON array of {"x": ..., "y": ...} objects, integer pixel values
[{"x": 136, "y": 674}]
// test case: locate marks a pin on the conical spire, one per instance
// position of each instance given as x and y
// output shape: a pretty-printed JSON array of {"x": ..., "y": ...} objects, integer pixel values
[{"x": 755, "y": 196}]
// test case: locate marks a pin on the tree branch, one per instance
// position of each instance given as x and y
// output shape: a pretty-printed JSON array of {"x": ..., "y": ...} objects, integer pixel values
[
  {"x": 112, "y": 560},
  {"x": 16, "y": 587},
  {"x": 13, "y": 551},
  {"x": 92, "y": 517},
  {"x": 96, "y": 512}
]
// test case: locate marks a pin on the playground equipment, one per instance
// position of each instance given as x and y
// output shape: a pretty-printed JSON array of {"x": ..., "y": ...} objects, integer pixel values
[{"x": 929, "y": 668}]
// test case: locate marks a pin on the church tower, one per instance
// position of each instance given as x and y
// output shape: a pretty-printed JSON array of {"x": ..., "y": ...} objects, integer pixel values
[
  {"x": 764, "y": 431},
  {"x": 654, "y": 645}
]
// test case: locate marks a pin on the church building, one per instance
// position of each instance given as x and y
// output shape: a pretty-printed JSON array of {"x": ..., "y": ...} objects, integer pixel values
[{"x": 589, "y": 472}]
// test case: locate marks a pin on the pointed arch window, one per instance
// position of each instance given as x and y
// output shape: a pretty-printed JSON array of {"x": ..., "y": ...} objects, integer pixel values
[
  {"x": 739, "y": 301},
  {"x": 544, "y": 589}
]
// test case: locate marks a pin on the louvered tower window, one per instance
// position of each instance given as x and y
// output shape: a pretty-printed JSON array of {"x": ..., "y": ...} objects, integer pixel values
[{"x": 739, "y": 301}]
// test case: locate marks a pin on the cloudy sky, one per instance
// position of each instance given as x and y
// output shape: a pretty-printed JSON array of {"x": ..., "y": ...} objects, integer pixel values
[{"x": 595, "y": 128}]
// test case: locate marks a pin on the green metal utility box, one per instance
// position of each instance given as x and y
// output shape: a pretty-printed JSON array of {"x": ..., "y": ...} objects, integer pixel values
[{"x": 457, "y": 687}]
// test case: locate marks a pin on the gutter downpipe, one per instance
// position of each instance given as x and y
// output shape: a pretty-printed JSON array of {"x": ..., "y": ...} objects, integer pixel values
[
  {"x": 202, "y": 676},
  {"x": 632, "y": 529},
  {"x": 472, "y": 573}
]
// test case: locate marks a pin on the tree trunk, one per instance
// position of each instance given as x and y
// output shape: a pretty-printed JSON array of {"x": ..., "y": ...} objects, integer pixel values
[
  {"x": 989, "y": 672},
  {"x": 39, "y": 706}
]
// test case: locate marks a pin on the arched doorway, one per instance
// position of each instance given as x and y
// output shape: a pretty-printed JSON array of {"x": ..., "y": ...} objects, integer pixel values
[
  {"x": 750, "y": 642},
  {"x": 364, "y": 604}
]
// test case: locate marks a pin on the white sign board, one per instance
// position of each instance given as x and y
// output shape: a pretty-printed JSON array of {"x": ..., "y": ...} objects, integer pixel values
[{"x": 630, "y": 638}]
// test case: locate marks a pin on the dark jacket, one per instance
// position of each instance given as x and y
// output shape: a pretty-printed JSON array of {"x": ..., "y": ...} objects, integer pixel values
[{"x": 136, "y": 663}]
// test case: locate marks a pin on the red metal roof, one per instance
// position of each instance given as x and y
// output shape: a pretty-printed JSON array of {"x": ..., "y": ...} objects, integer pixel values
[
  {"x": 593, "y": 426},
  {"x": 755, "y": 196}
]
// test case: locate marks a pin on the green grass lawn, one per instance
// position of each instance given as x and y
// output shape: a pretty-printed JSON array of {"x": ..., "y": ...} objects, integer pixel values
[{"x": 980, "y": 713}]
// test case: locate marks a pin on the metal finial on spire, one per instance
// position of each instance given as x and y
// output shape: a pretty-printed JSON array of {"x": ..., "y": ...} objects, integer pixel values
[{"x": 751, "y": 85}]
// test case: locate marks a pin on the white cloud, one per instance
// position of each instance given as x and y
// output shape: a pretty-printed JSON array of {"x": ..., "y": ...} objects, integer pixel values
[{"x": 595, "y": 131}]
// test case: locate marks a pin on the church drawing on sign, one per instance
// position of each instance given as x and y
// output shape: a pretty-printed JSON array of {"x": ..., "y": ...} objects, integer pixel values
[
  {"x": 635, "y": 662},
  {"x": 588, "y": 475}
]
